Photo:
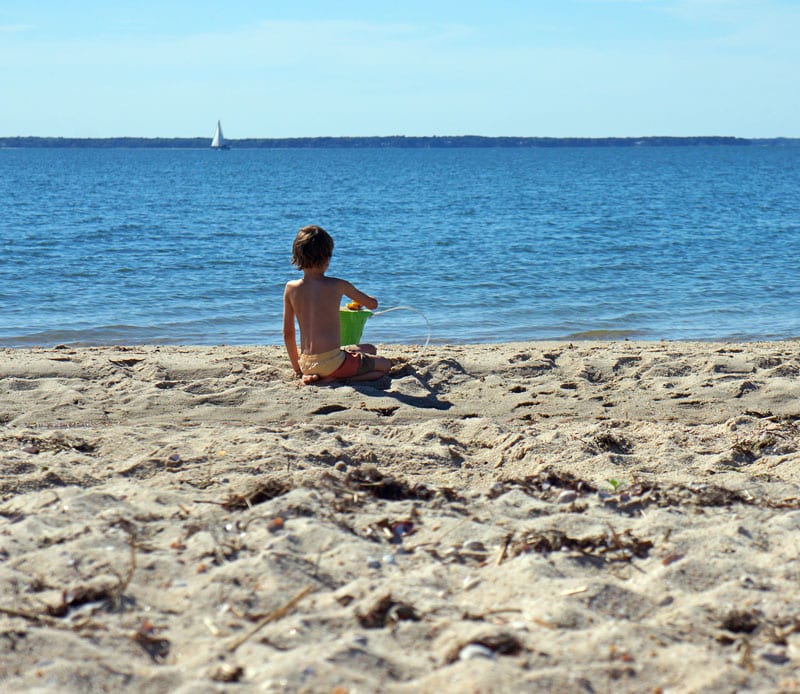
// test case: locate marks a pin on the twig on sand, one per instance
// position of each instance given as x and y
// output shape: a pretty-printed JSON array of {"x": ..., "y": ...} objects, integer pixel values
[
  {"x": 503, "y": 549},
  {"x": 271, "y": 617},
  {"x": 125, "y": 581},
  {"x": 132, "y": 568},
  {"x": 49, "y": 620},
  {"x": 25, "y": 614},
  {"x": 746, "y": 654},
  {"x": 618, "y": 543},
  {"x": 480, "y": 616},
  {"x": 575, "y": 591}
]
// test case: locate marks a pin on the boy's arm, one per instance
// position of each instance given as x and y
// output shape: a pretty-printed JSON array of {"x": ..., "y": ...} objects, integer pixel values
[
  {"x": 366, "y": 300},
  {"x": 289, "y": 338}
]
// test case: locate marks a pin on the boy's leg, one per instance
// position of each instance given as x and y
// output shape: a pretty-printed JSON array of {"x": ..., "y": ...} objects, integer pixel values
[
  {"x": 366, "y": 361},
  {"x": 382, "y": 364},
  {"x": 365, "y": 348},
  {"x": 380, "y": 367}
]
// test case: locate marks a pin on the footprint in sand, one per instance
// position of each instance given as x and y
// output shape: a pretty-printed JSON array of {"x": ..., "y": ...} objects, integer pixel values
[
  {"x": 329, "y": 409},
  {"x": 747, "y": 387}
]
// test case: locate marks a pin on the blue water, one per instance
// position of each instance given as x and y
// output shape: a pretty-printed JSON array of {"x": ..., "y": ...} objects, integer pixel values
[{"x": 192, "y": 246}]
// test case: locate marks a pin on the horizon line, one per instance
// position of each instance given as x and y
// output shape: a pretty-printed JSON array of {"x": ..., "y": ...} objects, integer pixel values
[{"x": 396, "y": 135}]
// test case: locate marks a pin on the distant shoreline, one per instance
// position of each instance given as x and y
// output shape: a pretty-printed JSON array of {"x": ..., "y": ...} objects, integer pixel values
[{"x": 389, "y": 142}]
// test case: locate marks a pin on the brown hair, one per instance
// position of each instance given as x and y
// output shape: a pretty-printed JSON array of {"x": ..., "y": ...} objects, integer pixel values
[{"x": 312, "y": 247}]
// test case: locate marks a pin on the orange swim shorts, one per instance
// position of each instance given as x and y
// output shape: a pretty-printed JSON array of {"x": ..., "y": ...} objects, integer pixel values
[{"x": 354, "y": 364}]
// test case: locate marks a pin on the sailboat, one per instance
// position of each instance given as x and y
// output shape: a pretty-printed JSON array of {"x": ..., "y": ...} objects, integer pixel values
[{"x": 219, "y": 140}]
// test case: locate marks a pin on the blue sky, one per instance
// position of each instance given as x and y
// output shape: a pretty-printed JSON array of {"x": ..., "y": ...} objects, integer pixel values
[{"x": 553, "y": 68}]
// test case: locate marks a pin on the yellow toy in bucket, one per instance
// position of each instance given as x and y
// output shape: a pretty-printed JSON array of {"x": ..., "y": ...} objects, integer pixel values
[{"x": 352, "y": 319}]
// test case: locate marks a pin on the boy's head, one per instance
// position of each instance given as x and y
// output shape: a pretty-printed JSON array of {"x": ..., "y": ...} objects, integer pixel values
[{"x": 312, "y": 247}]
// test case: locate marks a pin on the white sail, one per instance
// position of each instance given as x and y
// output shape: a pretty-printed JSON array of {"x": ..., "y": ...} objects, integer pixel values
[{"x": 219, "y": 140}]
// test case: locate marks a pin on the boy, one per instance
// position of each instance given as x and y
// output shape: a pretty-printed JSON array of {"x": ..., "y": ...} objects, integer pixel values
[{"x": 314, "y": 301}]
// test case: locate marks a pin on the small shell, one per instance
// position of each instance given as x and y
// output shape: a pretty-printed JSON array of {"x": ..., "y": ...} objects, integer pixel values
[
  {"x": 475, "y": 650},
  {"x": 474, "y": 546},
  {"x": 567, "y": 496},
  {"x": 470, "y": 582}
]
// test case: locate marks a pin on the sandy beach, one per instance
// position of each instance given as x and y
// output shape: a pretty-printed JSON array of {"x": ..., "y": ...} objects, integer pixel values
[{"x": 587, "y": 517}]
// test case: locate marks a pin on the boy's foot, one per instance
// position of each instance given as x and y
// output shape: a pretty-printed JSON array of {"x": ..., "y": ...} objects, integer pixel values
[{"x": 316, "y": 380}]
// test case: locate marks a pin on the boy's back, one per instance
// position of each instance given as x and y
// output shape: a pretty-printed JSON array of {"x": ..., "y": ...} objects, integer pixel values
[{"x": 315, "y": 301}]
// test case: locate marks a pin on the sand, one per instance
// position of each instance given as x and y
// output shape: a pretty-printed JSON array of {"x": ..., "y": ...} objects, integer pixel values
[{"x": 589, "y": 517}]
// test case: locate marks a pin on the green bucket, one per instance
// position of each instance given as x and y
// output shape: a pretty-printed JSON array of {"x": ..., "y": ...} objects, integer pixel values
[{"x": 352, "y": 325}]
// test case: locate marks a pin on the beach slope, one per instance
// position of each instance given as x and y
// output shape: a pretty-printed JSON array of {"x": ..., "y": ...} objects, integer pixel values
[{"x": 522, "y": 517}]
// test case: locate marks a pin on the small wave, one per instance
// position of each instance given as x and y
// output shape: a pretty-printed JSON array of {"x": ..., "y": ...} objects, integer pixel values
[
  {"x": 606, "y": 335},
  {"x": 90, "y": 337},
  {"x": 226, "y": 330}
]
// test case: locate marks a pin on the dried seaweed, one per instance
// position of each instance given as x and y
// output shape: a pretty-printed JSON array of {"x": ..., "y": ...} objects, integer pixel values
[
  {"x": 261, "y": 492},
  {"x": 385, "y": 612},
  {"x": 638, "y": 496},
  {"x": 157, "y": 648},
  {"x": 612, "y": 546},
  {"x": 544, "y": 485},
  {"x": 741, "y": 621},
  {"x": 606, "y": 442},
  {"x": 83, "y": 595},
  {"x": 373, "y": 481}
]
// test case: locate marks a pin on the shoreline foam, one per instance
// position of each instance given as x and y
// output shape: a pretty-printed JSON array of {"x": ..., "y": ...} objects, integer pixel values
[{"x": 547, "y": 515}]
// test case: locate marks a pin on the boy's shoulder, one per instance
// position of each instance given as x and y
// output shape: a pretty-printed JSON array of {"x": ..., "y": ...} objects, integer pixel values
[
  {"x": 329, "y": 281},
  {"x": 325, "y": 279}
]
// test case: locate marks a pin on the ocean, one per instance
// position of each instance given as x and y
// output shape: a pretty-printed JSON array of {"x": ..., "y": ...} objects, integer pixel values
[{"x": 127, "y": 246}]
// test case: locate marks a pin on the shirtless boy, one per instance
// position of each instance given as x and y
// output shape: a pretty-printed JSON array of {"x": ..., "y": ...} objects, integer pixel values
[{"x": 314, "y": 301}]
